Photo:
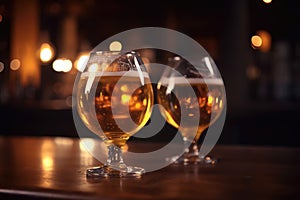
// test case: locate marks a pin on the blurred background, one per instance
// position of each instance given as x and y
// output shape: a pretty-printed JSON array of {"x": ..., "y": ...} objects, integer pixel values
[{"x": 255, "y": 44}]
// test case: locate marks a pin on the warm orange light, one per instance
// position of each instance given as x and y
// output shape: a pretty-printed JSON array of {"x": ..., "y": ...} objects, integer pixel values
[
  {"x": 46, "y": 52},
  {"x": 58, "y": 65},
  {"x": 62, "y": 65},
  {"x": 81, "y": 61},
  {"x": 210, "y": 100},
  {"x": 138, "y": 106},
  {"x": 87, "y": 144},
  {"x": 262, "y": 41},
  {"x": 15, "y": 64},
  {"x": 47, "y": 162},
  {"x": 68, "y": 65},
  {"x": 266, "y": 40},
  {"x": 256, "y": 41},
  {"x": 1, "y": 18},
  {"x": 63, "y": 141},
  {"x": 1, "y": 67},
  {"x": 115, "y": 46},
  {"x": 124, "y": 148},
  {"x": 221, "y": 103},
  {"x": 145, "y": 102},
  {"x": 267, "y": 1},
  {"x": 124, "y": 88}
]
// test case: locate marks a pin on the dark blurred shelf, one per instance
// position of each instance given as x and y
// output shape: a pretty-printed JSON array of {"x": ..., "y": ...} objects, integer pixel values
[
  {"x": 48, "y": 119},
  {"x": 264, "y": 123},
  {"x": 255, "y": 124}
]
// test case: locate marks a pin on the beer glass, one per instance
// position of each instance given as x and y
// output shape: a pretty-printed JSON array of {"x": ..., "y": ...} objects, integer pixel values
[
  {"x": 192, "y": 98},
  {"x": 114, "y": 100}
]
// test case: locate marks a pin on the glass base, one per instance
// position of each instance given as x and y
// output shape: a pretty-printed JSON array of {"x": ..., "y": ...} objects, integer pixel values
[
  {"x": 192, "y": 160},
  {"x": 108, "y": 171}
]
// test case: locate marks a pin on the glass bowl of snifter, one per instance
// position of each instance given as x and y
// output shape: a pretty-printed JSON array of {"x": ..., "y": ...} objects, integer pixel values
[
  {"x": 192, "y": 98},
  {"x": 114, "y": 98}
]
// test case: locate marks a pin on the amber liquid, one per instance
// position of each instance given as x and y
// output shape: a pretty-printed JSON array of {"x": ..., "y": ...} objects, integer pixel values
[
  {"x": 208, "y": 99},
  {"x": 112, "y": 98}
]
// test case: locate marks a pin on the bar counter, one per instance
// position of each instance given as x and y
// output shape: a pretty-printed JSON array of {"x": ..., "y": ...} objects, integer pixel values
[{"x": 54, "y": 168}]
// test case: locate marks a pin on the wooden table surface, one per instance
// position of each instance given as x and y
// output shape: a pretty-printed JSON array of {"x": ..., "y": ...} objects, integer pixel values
[{"x": 54, "y": 168}]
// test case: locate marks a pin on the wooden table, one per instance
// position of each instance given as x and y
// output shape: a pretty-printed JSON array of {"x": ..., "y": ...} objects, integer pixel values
[{"x": 54, "y": 168}]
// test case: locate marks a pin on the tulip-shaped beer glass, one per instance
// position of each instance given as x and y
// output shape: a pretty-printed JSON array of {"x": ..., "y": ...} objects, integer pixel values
[
  {"x": 114, "y": 100},
  {"x": 192, "y": 98}
]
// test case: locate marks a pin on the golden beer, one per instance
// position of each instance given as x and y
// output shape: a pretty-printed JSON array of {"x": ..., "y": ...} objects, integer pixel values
[
  {"x": 115, "y": 96},
  {"x": 207, "y": 99}
]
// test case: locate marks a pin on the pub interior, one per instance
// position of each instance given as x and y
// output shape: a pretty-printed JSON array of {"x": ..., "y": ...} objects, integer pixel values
[{"x": 254, "y": 44}]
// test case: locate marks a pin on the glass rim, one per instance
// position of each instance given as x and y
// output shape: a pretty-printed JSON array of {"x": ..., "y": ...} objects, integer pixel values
[{"x": 121, "y": 52}]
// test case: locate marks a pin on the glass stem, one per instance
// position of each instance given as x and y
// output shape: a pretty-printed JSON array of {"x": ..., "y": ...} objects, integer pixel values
[
  {"x": 115, "y": 159},
  {"x": 191, "y": 147}
]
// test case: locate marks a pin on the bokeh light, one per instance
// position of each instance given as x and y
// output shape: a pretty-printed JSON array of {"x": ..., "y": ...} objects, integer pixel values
[
  {"x": 62, "y": 65},
  {"x": 267, "y": 1},
  {"x": 256, "y": 41},
  {"x": 80, "y": 61},
  {"x": 46, "y": 52},
  {"x": 266, "y": 40},
  {"x": 262, "y": 40},
  {"x": 15, "y": 64},
  {"x": 1, "y": 67},
  {"x": 115, "y": 46}
]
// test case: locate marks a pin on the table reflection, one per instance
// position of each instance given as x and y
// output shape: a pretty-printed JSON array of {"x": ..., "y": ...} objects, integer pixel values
[
  {"x": 86, "y": 145},
  {"x": 48, "y": 167}
]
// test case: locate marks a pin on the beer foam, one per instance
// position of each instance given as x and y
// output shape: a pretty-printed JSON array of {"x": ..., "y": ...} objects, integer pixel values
[
  {"x": 183, "y": 80},
  {"x": 121, "y": 73}
]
